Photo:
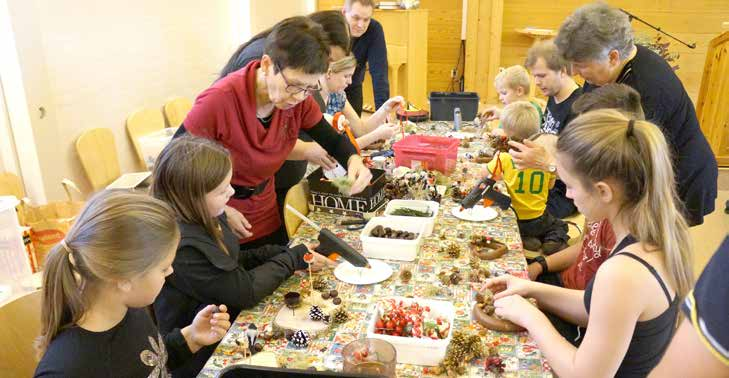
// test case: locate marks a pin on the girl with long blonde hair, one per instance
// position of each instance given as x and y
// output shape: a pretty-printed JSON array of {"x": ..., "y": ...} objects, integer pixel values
[{"x": 618, "y": 169}]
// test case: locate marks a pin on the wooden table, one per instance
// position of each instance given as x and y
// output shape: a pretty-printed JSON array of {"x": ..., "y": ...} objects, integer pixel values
[{"x": 519, "y": 352}]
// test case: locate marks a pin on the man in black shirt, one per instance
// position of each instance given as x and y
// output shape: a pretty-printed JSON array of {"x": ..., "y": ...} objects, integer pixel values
[
  {"x": 597, "y": 40},
  {"x": 552, "y": 75},
  {"x": 368, "y": 46}
]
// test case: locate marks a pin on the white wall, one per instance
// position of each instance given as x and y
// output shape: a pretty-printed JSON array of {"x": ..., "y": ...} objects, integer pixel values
[{"x": 91, "y": 64}]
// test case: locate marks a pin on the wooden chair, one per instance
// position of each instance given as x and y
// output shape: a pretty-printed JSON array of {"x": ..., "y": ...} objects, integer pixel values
[
  {"x": 141, "y": 123},
  {"x": 21, "y": 325},
  {"x": 176, "y": 110},
  {"x": 298, "y": 198},
  {"x": 97, "y": 151},
  {"x": 11, "y": 185}
]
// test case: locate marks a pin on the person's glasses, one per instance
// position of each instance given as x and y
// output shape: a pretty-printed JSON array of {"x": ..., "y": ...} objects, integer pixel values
[{"x": 295, "y": 89}]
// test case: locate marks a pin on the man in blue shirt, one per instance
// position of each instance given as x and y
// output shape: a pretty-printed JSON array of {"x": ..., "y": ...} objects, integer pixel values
[{"x": 368, "y": 46}]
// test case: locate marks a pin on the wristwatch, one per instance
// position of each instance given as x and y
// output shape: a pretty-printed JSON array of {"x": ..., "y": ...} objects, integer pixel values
[{"x": 543, "y": 262}]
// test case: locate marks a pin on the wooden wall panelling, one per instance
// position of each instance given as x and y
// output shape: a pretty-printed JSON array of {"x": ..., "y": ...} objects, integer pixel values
[
  {"x": 483, "y": 47},
  {"x": 695, "y": 21},
  {"x": 713, "y": 97}
]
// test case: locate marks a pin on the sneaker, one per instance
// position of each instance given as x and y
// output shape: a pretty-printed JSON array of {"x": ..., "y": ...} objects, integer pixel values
[
  {"x": 550, "y": 247},
  {"x": 531, "y": 243}
]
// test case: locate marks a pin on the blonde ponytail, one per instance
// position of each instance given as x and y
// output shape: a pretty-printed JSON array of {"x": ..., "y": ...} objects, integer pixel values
[
  {"x": 118, "y": 235},
  {"x": 605, "y": 144}
]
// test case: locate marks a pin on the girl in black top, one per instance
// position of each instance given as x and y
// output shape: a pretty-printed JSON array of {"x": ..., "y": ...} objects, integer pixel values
[
  {"x": 617, "y": 169},
  {"x": 96, "y": 282},
  {"x": 193, "y": 176}
]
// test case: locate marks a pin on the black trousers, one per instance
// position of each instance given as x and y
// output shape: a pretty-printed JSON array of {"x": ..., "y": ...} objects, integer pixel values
[
  {"x": 545, "y": 228},
  {"x": 354, "y": 96},
  {"x": 558, "y": 204}
]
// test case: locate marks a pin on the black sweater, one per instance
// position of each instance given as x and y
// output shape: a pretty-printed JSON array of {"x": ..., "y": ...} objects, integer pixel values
[
  {"x": 666, "y": 103},
  {"x": 371, "y": 49},
  {"x": 132, "y": 348},
  {"x": 204, "y": 274}
]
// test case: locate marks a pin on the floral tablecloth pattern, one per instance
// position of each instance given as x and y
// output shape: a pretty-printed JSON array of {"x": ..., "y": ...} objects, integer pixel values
[{"x": 520, "y": 354}]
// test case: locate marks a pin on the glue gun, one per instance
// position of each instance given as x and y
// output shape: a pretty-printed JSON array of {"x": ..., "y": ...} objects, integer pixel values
[
  {"x": 485, "y": 189},
  {"x": 330, "y": 244}
]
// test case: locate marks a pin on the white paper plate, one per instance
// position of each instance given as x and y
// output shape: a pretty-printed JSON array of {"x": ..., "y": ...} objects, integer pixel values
[
  {"x": 350, "y": 274},
  {"x": 460, "y": 135},
  {"x": 477, "y": 214}
]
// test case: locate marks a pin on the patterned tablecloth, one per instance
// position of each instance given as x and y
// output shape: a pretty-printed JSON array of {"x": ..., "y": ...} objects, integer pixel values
[{"x": 518, "y": 351}]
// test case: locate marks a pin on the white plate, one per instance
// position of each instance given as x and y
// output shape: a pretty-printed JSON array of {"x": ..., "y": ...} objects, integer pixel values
[
  {"x": 460, "y": 135},
  {"x": 350, "y": 274},
  {"x": 477, "y": 214}
]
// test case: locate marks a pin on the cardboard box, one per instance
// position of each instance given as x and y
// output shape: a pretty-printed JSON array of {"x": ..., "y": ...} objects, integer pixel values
[{"x": 325, "y": 197}]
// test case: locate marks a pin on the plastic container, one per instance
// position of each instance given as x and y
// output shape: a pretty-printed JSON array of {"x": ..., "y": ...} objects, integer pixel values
[
  {"x": 14, "y": 265},
  {"x": 428, "y": 152},
  {"x": 442, "y": 105},
  {"x": 152, "y": 144},
  {"x": 429, "y": 222},
  {"x": 391, "y": 249},
  {"x": 411, "y": 350}
]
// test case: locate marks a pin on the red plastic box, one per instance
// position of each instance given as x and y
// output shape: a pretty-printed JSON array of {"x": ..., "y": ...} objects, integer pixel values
[{"x": 429, "y": 152}]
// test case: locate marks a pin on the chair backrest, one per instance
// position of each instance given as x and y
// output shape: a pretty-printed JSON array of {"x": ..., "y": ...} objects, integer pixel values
[
  {"x": 20, "y": 321},
  {"x": 176, "y": 110},
  {"x": 11, "y": 185},
  {"x": 97, "y": 151},
  {"x": 141, "y": 123},
  {"x": 297, "y": 197}
]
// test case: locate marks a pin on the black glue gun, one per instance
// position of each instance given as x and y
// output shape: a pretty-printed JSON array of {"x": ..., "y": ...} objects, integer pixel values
[
  {"x": 486, "y": 189},
  {"x": 330, "y": 244}
]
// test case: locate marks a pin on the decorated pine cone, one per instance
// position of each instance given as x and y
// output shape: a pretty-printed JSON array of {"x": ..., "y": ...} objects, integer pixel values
[
  {"x": 453, "y": 250},
  {"x": 316, "y": 314},
  {"x": 340, "y": 315},
  {"x": 320, "y": 284},
  {"x": 300, "y": 339}
]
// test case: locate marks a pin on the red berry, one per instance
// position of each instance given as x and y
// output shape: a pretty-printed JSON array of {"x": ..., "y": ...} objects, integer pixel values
[
  {"x": 390, "y": 325},
  {"x": 380, "y": 324}
]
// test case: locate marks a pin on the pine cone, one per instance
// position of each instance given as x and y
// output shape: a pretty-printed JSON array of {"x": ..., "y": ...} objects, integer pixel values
[
  {"x": 300, "y": 339},
  {"x": 320, "y": 284},
  {"x": 453, "y": 250},
  {"x": 316, "y": 314},
  {"x": 406, "y": 275},
  {"x": 340, "y": 315},
  {"x": 474, "y": 262}
]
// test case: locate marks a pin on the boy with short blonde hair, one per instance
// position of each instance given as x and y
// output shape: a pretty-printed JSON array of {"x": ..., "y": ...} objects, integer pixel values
[
  {"x": 512, "y": 84},
  {"x": 528, "y": 188}
]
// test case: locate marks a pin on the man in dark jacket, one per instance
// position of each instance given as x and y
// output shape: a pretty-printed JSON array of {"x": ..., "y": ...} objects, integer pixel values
[{"x": 368, "y": 46}]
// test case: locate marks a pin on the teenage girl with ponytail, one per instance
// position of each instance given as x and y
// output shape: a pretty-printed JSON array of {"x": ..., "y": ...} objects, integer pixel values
[
  {"x": 96, "y": 285},
  {"x": 617, "y": 169}
]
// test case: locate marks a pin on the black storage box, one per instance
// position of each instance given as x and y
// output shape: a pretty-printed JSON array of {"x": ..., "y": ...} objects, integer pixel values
[
  {"x": 325, "y": 197},
  {"x": 443, "y": 103}
]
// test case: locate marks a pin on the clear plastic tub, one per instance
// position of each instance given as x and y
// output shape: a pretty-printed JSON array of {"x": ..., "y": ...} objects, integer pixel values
[
  {"x": 427, "y": 152},
  {"x": 14, "y": 265}
]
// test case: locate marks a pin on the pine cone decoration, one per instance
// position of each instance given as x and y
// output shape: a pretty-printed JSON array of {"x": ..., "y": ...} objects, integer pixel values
[
  {"x": 474, "y": 262},
  {"x": 340, "y": 315},
  {"x": 406, "y": 275},
  {"x": 453, "y": 250},
  {"x": 316, "y": 314},
  {"x": 300, "y": 339},
  {"x": 320, "y": 284}
]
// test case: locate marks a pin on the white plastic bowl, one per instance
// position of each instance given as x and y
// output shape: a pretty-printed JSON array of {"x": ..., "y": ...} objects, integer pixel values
[
  {"x": 412, "y": 350},
  {"x": 392, "y": 249},
  {"x": 429, "y": 222}
]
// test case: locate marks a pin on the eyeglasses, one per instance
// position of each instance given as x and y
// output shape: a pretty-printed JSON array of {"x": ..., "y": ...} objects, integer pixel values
[{"x": 295, "y": 89}]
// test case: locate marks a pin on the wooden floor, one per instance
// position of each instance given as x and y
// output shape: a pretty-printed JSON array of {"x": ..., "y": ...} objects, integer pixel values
[{"x": 709, "y": 235}]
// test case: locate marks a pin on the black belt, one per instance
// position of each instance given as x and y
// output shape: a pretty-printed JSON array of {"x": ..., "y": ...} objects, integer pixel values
[{"x": 245, "y": 192}]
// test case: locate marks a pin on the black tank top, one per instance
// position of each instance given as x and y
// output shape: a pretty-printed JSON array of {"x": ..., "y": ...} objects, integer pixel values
[{"x": 651, "y": 337}]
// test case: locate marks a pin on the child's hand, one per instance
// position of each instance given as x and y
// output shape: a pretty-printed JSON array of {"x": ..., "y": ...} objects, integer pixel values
[
  {"x": 516, "y": 309},
  {"x": 238, "y": 223},
  {"x": 208, "y": 327},
  {"x": 386, "y": 130},
  {"x": 491, "y": 113}
]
